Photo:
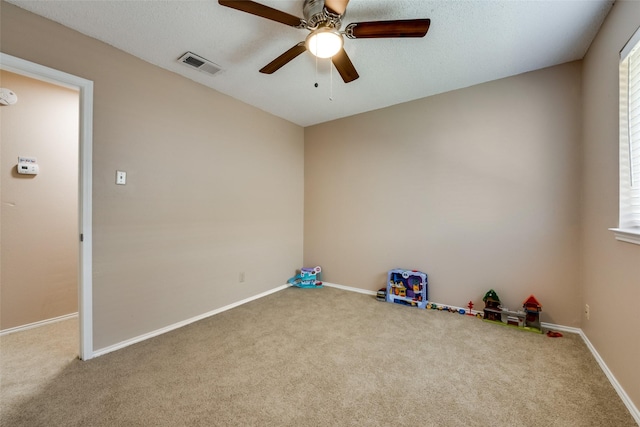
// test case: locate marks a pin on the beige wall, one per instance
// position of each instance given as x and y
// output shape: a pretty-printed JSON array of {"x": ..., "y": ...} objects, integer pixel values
[
  {"x": 611, "y": 269},
  {"x": 39, "y": 222},
  {"x": 214, "y": 186},
  {"x": 477, "y": 187}
]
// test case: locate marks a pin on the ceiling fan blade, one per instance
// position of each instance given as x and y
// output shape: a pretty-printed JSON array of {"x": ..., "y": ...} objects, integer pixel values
[
  {"x": 283, "y": 59},
  {"x": 383, "y": 29},
  {"x": 336, "y": 6},
  {"x": 344, "y": 66},
  {"x": 263, "y": 11}
]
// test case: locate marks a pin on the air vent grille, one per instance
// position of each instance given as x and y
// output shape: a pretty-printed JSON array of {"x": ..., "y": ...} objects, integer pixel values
[{"x": 199, "y": 63}]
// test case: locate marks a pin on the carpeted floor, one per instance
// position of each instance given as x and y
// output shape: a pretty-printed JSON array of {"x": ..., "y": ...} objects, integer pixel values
[{"x": 311, "y": 357}]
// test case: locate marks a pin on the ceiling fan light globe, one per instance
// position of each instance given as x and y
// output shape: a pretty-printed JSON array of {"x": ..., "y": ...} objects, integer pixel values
[{"x": 324, "y": 42}]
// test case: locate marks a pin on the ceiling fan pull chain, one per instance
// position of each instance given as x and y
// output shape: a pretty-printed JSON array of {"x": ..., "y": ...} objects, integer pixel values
[
  {"x": 330, "y": 81},
  {"x": 316, "y": 83}
]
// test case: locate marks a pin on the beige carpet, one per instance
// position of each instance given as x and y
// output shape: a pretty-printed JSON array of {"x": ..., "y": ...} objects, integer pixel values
[{"x": 311, "y": 357}]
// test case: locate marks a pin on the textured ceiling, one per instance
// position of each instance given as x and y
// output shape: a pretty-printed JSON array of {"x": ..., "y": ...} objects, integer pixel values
[{"x": 469, "y": 42}]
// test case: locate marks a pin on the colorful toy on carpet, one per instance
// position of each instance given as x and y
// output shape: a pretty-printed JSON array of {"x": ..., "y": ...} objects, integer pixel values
[
  {"x": 470, "y": 307},
  {"x": 308, "y": 278},
  {"x": 528, "y": 319},
  {"x": 407, "y": 287}
]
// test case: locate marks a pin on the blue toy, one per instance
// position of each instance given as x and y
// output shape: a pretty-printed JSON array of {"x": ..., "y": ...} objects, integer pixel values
[
  {"x": 407, "y": 287},
  {"x": 308, "y": 278}
]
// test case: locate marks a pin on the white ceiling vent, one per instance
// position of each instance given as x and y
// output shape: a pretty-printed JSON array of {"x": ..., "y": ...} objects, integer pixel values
[{"x": 199, "y": 63}]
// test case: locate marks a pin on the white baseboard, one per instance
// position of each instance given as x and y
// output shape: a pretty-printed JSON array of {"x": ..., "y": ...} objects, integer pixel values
[
  {"x": 635, "y": 413},
  {"x": 350, "y": 289},
  {"x": 561, "y": 328},
  {"x": 38, "y": 324},
  {"x": 177, "y": 325}
]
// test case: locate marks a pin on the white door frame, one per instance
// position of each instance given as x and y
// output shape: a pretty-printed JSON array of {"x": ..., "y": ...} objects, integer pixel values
[{"x": 85, "y": 87}]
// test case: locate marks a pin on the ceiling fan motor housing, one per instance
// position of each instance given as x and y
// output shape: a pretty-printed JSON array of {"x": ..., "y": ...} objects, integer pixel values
[{"x": 316, "y": 15}]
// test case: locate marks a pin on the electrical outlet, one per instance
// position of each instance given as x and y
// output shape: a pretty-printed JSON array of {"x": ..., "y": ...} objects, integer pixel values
[
  {"x": 587, "y": 311},
  {"x": 241, "y": 277}
]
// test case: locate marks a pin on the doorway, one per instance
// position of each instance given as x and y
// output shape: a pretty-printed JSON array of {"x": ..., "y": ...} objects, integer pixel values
[{"x": 84, "y": 201}]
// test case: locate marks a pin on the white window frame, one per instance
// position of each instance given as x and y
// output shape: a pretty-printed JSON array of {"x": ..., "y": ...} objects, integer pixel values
[{"x": 629, "y": 218}]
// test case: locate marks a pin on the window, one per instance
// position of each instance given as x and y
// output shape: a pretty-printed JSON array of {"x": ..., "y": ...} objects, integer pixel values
[{"x": 629, "y": 224}]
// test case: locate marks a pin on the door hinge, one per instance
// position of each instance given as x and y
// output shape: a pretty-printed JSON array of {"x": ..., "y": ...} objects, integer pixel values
[{"x": 81, "y": 237}]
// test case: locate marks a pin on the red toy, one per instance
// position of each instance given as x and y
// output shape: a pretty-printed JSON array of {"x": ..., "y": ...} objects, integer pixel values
[{"x": 470, "y": 305}]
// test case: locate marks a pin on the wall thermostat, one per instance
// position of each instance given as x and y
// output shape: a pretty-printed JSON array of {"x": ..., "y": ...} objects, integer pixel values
[{"x": 28, "y": 166}]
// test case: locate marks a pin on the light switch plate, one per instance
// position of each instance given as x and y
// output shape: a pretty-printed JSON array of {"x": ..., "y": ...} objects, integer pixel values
[{"x": 121, "y": 177}]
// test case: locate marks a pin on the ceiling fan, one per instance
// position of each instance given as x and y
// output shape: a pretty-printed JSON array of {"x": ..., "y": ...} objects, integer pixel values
[{"x": 323, "y": 18}]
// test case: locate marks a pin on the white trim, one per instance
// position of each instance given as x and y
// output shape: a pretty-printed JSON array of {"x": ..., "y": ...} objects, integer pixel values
[
  {"x": 629, "y": 45},
  {"x": 350, "y": 289},
  {"x": 626, "y": 235},
  {"x": 554, "y": 327},
  {"x": 85, "y": 265},
  {"x": 180, "y": 324},
  {"x": 37, "y": 324},
  {"x": 635, "y": 413}
]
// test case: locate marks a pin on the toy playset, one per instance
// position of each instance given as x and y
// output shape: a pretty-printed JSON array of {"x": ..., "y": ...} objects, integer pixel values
[
  {"x": 308, "y": 278},
  {"x": 528, "y": 319},
  {"x": 407, "y": 287}
]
